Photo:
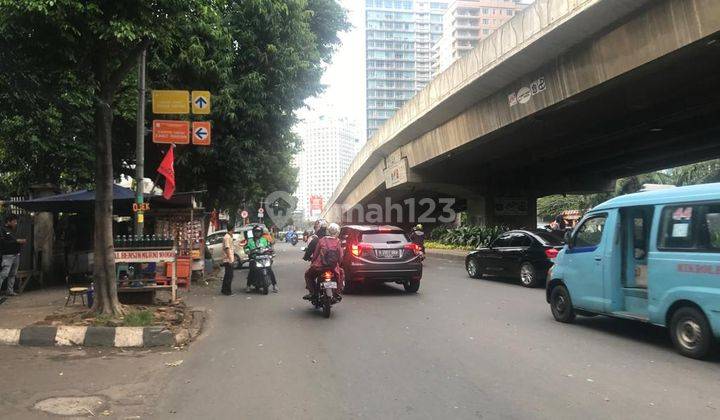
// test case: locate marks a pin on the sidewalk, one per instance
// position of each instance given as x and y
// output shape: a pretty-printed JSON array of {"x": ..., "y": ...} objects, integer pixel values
[
  {"x": 456, "y": 254},
  {"x": 33, "y": 306}
]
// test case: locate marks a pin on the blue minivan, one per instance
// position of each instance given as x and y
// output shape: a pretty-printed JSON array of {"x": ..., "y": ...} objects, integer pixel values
[{"x": 652, "y": 257}]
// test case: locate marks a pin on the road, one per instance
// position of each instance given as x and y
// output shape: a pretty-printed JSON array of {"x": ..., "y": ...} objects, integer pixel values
[{"x": 460, "y": 348}]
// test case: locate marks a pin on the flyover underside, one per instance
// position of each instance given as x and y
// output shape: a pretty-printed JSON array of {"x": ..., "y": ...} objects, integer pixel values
[{"x": 660, "y": 115}]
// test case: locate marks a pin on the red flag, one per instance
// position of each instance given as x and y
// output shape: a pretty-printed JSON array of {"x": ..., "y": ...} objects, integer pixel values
[{"x": 167, "y": 169}]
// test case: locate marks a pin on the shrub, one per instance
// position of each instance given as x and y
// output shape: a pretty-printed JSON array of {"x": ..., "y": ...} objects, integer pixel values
[{"x": 474, "y": 236}]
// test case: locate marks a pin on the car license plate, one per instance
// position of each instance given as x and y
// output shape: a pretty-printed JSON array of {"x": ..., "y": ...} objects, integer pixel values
[
  {"x": 388, "y": 253},
  {"x": 330, "y": 285}
]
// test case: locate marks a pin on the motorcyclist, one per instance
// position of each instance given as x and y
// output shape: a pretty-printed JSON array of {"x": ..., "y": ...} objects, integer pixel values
[
  {"x": 254, "y": 244},
  {"x": 327, "y": 255},
  {"x": 418, "y": 237},
  {"x": 320, "y": 230}
]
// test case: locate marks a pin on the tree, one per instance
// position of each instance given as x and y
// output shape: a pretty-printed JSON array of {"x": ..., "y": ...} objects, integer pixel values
[{"x": 98, "y": 43}]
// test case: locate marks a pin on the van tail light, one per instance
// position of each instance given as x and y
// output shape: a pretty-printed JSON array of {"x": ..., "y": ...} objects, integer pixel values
[
  {"x": 415, "y": 248},
  {"x": 328, "y": 275},
  {"x": 551, "y": 253},
  {"x": 357, "y": 249}
]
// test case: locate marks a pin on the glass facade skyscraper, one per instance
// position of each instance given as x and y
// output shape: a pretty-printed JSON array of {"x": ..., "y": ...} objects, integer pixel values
[{"x": 399, "y": 36}]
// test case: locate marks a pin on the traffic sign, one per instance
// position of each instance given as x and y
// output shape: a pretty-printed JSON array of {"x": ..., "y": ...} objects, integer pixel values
[
  {"x": 261, "y": 210},
  {"x": 244, "y": 214},
  {"x": 200, "y": 102},
  {"x": 170, "y": 102},
  {"x": 201, "y": 133},
  {"x": 171, "y": 131}
]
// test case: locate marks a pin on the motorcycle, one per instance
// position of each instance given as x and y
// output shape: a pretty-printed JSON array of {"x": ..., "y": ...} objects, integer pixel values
[
  {"x": 261, "y": 262},
  {"x": 294, "y": 240},
  {"x": 325, "y": 295}
]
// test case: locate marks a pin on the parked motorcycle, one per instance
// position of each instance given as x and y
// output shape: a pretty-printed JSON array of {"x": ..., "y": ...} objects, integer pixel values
[
  {"x": 261, "y": 261},
  {"x": 326, "y": 286}
]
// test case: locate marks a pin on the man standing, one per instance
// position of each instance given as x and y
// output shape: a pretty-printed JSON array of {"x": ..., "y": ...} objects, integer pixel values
[
  {"x": 228, "y": 261},
  {"x": 10, "y": 249}
]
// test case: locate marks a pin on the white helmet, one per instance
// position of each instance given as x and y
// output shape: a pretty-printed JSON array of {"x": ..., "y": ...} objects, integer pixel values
[
  {"x": 319, "y": 224},
  {"x": 333, "y": 230}
]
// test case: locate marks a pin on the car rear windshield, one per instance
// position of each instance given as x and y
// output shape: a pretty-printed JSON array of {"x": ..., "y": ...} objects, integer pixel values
[
  {"x": 383, "y": 238},
  {"x": 550, "y": 238}
]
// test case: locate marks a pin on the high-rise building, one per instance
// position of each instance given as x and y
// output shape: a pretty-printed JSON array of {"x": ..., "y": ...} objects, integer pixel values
[
  {"x": 329, "y": 144},
  {"x": 399, "y": 35},
  {"x": 465, "y": 24}
]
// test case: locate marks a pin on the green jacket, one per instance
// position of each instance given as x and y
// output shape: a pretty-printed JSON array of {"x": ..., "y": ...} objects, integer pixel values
[{"x": 253, "y": 244}]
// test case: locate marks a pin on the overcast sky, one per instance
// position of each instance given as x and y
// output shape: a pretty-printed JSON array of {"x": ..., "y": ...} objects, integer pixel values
[{"x": 345, "y": 76}]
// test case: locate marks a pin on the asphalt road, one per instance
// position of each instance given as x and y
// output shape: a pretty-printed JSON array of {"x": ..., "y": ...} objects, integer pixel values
[{"x": 460, "y": 349}]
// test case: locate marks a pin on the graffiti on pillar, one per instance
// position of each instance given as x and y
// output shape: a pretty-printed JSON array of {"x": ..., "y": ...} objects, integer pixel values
[
  {"x": 523, "y": 95},
  {"x": 505, "y": 206}
]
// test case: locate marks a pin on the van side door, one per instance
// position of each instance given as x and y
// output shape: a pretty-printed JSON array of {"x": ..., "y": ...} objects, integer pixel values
[{"x": 584, "y": 266}]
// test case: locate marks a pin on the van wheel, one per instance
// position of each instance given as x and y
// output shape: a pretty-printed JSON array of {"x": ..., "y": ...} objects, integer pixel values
[
  {"x": 528, "y": 275},
  {"x": 561, "y": 305},
  {"x": 691, "y": 333}
]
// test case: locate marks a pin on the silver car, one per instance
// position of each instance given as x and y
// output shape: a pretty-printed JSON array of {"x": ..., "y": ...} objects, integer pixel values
[{"x": 214, "y": 242}]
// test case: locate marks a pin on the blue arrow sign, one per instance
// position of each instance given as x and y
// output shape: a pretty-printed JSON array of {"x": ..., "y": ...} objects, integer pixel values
[
  {"x": 200, "y": 102},
  {"x": 201, "y": 133}
]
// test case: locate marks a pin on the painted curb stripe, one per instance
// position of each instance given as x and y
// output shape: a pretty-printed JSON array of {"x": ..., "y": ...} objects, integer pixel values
[
  {"x": 70, "y": 336},
  {"x": 100, "y": 336},
  {"x": 129, "y": 337},
  {"x": 158, "y": 337},
  {"x": 10, "y": 336},
  {"x": 38, "y": 336}
]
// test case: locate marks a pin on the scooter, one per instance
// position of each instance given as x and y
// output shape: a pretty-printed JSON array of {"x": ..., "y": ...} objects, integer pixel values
[
  {"x": 294, "y": 240},
  {"x": 261, "y": 262},
  {"x": 325, "y": 295}
]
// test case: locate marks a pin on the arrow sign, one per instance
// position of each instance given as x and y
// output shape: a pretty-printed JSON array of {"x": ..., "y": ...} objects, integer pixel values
[
  {"x": 200, "y": 102},
  {"x": 201, "y": 133}
]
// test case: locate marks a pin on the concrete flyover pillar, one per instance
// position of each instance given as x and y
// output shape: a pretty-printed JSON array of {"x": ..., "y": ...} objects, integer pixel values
[{"x": 514, "y": 210}]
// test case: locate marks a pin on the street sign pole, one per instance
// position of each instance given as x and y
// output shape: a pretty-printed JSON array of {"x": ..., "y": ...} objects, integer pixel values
[{"x": 140, "y": 146}]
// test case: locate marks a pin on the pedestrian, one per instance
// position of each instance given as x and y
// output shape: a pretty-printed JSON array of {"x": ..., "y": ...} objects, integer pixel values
[
  {"x": 418, "y": 237},
  {"x": 558, "y": 225},
  {"x": 228, "y": 261},
  {"x": 10, "y": 247}
]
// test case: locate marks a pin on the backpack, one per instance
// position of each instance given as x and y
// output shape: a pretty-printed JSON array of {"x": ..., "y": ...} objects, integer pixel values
[{"x": 329, "y": 252}]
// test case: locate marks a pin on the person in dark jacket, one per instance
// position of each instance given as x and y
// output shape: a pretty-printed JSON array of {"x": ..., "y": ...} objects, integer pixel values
[
  {"x": 418, "y": 237},
  {"x": 320, "y": 228},
  {"x": 10, "y": 247}
]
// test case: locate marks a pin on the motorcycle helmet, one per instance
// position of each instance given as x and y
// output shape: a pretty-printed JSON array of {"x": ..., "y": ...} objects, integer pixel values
[
  {"x": 257, "y": 232},
  {"x": 319, "y": 224},
  {"x": 333, "y": 230}
]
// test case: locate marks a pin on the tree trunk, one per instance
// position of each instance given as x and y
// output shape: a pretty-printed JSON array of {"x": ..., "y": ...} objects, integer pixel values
[{"x": 106, "y": 299}]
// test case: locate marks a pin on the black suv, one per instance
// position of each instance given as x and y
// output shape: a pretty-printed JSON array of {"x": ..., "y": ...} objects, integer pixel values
[{"x": 380, "y": 254}]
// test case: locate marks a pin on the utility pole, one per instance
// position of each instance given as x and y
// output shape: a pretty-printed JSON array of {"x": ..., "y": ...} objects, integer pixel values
[{"x": 140, "y": 146}]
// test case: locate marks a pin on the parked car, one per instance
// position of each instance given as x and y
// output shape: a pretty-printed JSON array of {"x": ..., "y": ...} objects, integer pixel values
[
  {"x": 523, "y": 254},
  {"x": 380, "y": 254},
  {"x": 214, "y": 244},
  {"x": 652, "y": 257}
]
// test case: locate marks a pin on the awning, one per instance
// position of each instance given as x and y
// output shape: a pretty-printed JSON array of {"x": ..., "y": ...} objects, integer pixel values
[
  {"x": 84, "y": 201},
  {"x": 78, "y": 201}
]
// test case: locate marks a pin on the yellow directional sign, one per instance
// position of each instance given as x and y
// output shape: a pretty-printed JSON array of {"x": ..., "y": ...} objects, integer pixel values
[
  {"x": 200, "y": 102},
  {"x": 170, "y": 102}
]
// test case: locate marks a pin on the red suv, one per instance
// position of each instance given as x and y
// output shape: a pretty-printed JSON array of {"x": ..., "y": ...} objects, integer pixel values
[{"x": 380, "y": 254}]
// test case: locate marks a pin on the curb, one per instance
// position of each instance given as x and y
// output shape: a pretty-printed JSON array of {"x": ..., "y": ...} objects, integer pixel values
[
  {"x": 447, "y": 253},
  {"x": 122, "y": 337}
]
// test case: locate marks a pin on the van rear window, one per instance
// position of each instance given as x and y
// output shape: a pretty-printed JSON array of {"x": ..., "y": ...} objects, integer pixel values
[{"x": 712, "y": 224}]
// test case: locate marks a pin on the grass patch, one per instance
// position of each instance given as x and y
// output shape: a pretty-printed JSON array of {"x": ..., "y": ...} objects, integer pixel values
[
  {"x": 438, "y": 245},
  {"x": 139, "y": 319}
]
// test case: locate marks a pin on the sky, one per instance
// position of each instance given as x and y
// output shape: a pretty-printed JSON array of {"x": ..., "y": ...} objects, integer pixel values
[{"x": 344, "y": 77}]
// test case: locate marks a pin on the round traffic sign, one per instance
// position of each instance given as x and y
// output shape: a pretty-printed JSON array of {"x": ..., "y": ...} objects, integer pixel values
[
  {"x": 244, "y": 214},
  {"x": 261, "y": 210}
]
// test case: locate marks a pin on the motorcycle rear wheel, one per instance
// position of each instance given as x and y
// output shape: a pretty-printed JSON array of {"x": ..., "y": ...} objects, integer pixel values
[{"x": 326, "y": 307}]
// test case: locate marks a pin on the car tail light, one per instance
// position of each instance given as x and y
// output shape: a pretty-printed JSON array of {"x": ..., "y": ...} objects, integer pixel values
[
  {"x": 415, "y": 248},
  {"x": 551, "y": 253},
  {"x": 357, "y": 249},
  {"x": 328, "y": 275}
]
